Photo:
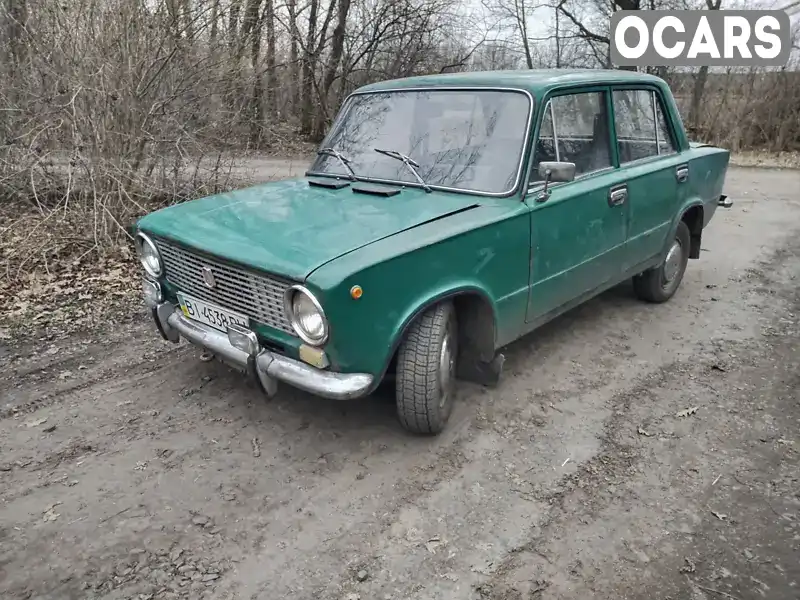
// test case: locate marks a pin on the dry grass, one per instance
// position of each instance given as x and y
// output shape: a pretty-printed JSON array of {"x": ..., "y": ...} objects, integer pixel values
[{"x": 771, "y": 160}]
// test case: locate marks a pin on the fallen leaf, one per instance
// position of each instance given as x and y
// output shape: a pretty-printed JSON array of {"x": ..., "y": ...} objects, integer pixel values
[
  {"x": 50, "y": 514},
  {"x": 720, "y": 516},
  {"x": 641, "y": 431},
  {"x": 687, "y": 411},
  {"x": 432, "y": 545},
  {"x": 36, "y": 423},
  {"x": 688, "y": 567}
]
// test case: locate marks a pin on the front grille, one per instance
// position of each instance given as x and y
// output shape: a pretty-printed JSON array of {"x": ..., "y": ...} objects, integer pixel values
[{"x": 256, "y": 295}]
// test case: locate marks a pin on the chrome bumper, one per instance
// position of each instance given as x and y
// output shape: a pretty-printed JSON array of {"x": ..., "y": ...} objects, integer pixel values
[{"x": 267, "y": 366}]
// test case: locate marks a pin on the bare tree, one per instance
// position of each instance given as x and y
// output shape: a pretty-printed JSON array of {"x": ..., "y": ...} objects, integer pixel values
[
  {"x": 515, "y": 14},
  {"x": 700, "y": 81}
]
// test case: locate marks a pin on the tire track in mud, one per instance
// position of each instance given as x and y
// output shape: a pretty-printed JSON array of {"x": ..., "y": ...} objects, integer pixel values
[
  {"x": 129, "y": 371},
  {"x": 341, "y": 531},
  {"x": 613, "y": 465}
]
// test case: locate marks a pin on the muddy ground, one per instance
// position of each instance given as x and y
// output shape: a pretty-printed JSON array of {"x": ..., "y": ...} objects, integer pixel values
[{"x": 131, "y": 469}]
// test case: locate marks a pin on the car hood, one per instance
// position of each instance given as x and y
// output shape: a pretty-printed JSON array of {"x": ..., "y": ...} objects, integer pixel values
[{"x": 291, "y": 228}]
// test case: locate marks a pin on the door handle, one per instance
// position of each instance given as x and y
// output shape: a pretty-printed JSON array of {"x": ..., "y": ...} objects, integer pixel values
[
  {"x": 682, "y": 173},
  {"x": 617, "y": 196}
]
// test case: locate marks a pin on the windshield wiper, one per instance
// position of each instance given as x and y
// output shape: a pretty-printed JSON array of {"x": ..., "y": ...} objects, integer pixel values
[
  {"x": 342, "y": 159},
  {"x": 407, "y": 161}
]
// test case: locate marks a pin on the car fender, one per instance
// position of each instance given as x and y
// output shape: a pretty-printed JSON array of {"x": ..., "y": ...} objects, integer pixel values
[{"x": 476, "y": 253}]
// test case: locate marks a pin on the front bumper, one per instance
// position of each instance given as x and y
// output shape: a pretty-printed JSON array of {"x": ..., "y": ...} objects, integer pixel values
[{"x": 268, "y": 367}]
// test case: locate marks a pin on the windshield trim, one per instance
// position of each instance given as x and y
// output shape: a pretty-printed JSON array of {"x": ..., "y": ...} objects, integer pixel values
[{"x": 525, "y": 140}]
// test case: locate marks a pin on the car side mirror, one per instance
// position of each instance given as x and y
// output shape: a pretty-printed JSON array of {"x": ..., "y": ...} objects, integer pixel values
[{"x": 554, "y": 171}]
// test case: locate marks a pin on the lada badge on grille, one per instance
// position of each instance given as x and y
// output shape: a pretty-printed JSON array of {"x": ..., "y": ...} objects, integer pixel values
[{"x": 208, "y": 277}]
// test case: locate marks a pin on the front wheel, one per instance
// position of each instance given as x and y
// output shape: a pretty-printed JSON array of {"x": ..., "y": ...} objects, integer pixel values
[
  {"x": 660, "y": 283},
  {"x": 426, "y": 361}
]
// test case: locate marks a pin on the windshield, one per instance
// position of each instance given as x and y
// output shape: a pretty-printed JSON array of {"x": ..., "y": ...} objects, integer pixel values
[{"x": 468, "y": 140}]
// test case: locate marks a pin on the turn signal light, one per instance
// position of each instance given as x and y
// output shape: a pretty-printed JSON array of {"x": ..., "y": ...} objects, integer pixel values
[{"x": 314, "y": 356}]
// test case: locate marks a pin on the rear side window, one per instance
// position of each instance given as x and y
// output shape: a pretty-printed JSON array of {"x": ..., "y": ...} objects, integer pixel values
[
  {"x": 574, "y": 129},
  {"x": 642, "y": 129}
]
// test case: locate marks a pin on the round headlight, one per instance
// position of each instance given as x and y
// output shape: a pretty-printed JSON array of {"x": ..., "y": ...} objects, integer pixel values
[
  {"x": 148, "y": 255},
  {"x": 306, "y": 315}
]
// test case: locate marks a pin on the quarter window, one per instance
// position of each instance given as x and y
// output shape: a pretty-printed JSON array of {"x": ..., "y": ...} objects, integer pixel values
[
  {"x": 642, "y": 129},
  {"x": 574, "y": 129}
]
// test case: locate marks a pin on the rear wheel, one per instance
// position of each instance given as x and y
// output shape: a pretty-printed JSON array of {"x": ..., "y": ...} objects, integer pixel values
[
  {"x": 660, "y": 283},
  {"x": 426, "y": 363}
]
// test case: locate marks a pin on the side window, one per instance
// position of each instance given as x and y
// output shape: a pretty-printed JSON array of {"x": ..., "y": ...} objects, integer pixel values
[
  {"x": 666, "y": 144},
  {"x": 641, "y": 125},
  {"x": 574, "y": 129}
]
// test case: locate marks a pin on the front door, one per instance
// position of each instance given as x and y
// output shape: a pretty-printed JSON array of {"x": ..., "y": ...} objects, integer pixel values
[{"x": 578, "y": 233}]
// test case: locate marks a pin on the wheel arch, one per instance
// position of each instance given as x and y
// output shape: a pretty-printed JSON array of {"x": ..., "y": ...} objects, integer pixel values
[
  {"x": 693, "y": 217},
  {"x": 690, "y": 213},
  {"x": 476, "y": 317}
]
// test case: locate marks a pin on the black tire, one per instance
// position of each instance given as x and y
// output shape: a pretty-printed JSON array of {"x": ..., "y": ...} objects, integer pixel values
[
  {"x": 424, "y": 389},
  {"x": 660, "y": 283}
]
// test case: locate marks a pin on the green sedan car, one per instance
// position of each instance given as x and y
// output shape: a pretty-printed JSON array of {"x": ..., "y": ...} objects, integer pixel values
[{"x": 444, "y": 217}]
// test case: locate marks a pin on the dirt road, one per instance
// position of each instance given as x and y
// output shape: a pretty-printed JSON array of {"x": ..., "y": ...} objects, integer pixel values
[{"x": 130, "y": 469}]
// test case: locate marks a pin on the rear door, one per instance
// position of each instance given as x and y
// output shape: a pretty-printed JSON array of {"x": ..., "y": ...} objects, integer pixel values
[
  {"x": 654, "y": 172},
  {"x": 578, "y": 233}
]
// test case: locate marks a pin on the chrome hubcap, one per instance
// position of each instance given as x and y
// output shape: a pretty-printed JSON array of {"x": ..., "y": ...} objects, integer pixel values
[
  {"x": 672, "y": 264},
  {"x": 447, "y": 361}
]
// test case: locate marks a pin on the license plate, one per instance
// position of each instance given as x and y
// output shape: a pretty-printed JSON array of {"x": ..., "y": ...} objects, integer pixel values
[{"x": 210, "y": 314}]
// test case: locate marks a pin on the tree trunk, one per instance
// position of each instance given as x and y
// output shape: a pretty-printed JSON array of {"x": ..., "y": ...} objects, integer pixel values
[
  {"x": 519, "y": 9},
  {"x": 233, "y": 23},
  {"x": 697, "y": 97},
  {"x": 174, "y": 12},
  {"x": 294, "y": 56},
  {"x": 337, "y": 47},
  {"x": 700, "y": 83},
  {"x": 272, "y": 82},
  {"x": 251, "y": 30},
  {"x": 250, "y": 25},
  {"x": 257, "y": 125},
  {"x": 188, "y": 20},
  {"x": 17, "y": 25},
  {"x": 309, "y": 63},
  {"x": 214, "y": 21},
  {"x": 558, "y": 43}
]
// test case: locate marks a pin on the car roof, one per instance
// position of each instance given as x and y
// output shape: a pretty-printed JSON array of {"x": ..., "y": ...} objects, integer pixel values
[{"x": 535, "y": 81}]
